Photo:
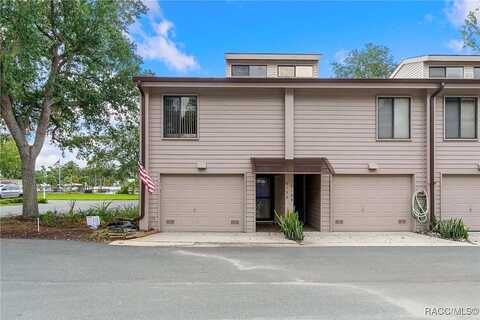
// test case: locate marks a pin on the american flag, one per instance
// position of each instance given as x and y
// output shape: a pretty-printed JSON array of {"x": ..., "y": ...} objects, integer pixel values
[{"x": 147, "y": 181}]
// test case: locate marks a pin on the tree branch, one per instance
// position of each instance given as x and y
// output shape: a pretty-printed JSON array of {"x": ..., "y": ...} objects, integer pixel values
[{"x": 12, "y": 124}]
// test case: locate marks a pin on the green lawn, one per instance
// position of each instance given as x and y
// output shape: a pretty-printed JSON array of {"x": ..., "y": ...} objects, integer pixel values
[
  {"x": 88, "y": 196},
  {"x": 72, "y": 196}
]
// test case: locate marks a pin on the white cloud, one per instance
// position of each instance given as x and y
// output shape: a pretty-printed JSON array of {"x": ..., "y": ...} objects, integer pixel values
[
  {"x": 51, "y": 153},
  {"x": 341, "y": 55},
  {"x": 160, "y": 43},
  {"x": 455, "y": 45},
  {"x": 153, "y": 8},
  {"x": 457, "y": 10}
]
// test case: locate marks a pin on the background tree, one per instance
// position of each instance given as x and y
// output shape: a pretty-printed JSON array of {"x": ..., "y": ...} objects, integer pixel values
[
  {"x": 10, "y": 164},
  {"x": 66, "y": 69},
  {"x": 373, "y": 61},
  {"x": 471, "y": 30}
]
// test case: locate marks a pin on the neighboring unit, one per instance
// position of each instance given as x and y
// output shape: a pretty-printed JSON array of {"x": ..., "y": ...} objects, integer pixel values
[
  {"x": 347, "y": 154},
  {"x": 439, "y": 67}
]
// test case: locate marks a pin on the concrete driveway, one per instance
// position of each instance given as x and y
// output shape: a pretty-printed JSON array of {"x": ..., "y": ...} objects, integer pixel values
[
  {"x": 43, "y": 279},
  {"x": 63, "y": 206},
  {"x": 276, "y": 239}
]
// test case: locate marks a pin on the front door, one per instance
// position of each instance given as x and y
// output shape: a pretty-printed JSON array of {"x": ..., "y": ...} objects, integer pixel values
[
  {"x": 264, "y": 196},
  {"x": 299, "y": 196}
]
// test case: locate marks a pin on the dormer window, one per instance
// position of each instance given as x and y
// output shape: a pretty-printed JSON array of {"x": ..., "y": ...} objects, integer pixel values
[
  {"x": 476, "y": 73},
  {"x": 291, "y": 71},
  {"x": 254, "y": 71},
  {"x": 446, "y": 72},
  {"x": 286, "y": 71}
]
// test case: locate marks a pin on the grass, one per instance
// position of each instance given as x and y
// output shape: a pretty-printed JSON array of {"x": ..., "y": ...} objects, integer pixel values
[
  {"x": 88, "y": 196},
  {"x": 10, "y": 201},
  {"x": 71, "y": 197}
]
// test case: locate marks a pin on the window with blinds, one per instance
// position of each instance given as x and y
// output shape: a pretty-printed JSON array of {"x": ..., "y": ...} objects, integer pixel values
[
  {"x": 180, "y": 117},
  {"x": 393, "y": 118},
  {"x": 461, "y": 118}
]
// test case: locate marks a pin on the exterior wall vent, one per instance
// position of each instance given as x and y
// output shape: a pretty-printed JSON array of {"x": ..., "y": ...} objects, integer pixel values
[
  {"x": 338, "y": 221},
  {"x": 372, "y": 166},
  {"x": 201, "y": 165},
  {"x": 402, "y": 221},
  {"x": 234, "y": 222},
  {"x": 170, "y": 221}
]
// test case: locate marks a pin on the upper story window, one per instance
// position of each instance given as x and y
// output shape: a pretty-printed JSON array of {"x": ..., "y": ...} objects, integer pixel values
[
  {"x": 286, "y": 71},
  {"x": 290, "y": 71},
  {"x": 393, "y": 118},
  {"x": 476, "y": 73},
  {"x": 446, "y": 72},
  {"x": 303, "y": 71},
  {"x": 461, "y": 118},
  {"x": 256, "y": 71},
  {"x": 180, "y": 117}
]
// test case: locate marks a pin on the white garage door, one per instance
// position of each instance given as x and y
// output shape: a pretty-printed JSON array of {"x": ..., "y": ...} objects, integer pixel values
[
  {"x": 372, "y": 203},
  {"x": 461, "y": 199},
  {"x": 201, "y": 202}
]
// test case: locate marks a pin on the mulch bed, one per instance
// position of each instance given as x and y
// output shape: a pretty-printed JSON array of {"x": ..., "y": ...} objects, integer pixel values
[{"x": 25, "y": 228}]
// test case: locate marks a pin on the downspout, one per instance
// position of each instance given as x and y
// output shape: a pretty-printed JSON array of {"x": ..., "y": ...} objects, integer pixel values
[
  {"x": 142, "y": 149},
  {"x": 432, "y": 151}
]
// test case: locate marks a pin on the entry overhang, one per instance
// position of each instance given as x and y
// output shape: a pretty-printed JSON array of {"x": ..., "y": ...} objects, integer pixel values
[{"x": 292, "y": 166}]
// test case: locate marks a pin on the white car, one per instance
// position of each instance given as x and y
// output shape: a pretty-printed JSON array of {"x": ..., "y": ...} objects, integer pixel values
[{"x": 10, "y": 191}]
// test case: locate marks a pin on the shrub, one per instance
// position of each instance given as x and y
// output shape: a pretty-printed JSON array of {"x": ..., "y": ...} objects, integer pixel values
[
  {"x": 452, "y": 229},
  {"x": 108, "y": 215},
  {"x": 123, "y": 190},
  {"x": 42, "y": 200},
  {"x": 49, "y": 218},
  {"x": 11, "y": 201},
  {"x": 290, "y": 225}
]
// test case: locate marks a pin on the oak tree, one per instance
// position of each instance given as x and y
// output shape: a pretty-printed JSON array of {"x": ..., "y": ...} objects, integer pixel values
[{"x": 66, "y": 69}]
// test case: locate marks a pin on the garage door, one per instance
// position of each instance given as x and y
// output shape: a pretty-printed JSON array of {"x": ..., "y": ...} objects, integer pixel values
[
  {"x": 372, "y": 203},
  {"x": 201, "y": 202},
  {"x": 461, "y": 199}
]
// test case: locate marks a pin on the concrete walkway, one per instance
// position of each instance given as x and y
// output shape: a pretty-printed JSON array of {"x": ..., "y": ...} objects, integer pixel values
[{"x": 275, "y": 239}]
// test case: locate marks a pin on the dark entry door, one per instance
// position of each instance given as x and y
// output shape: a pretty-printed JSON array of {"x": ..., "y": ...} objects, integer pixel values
[
  {"x": 299, "y": 196},
  {"x": 264, "y": 196}
]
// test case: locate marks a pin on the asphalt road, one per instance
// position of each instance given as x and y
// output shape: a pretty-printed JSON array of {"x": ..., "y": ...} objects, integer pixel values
[
  {"x": 43, "y": 279},
  {"x": 64, "y": 206}
]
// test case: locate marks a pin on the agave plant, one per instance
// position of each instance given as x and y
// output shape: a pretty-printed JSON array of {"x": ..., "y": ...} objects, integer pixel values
[
  {"x": 452, "y": 229},
  {"x": 290, "y": 225}
]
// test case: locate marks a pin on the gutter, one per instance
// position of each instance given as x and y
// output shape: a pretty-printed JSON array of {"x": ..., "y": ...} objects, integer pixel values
[
  {"x": 432, "y": 151},
  {"x": 142, "y": 149}
]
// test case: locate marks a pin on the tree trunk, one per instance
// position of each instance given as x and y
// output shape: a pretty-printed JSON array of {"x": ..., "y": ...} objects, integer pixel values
[{"x": 30, "y": 203}]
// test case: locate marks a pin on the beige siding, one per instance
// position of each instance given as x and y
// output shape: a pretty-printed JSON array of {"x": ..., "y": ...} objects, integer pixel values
[
  {"x": 342, "y": 128},
  {"x": 411, "y": 70},
  {"x": 452, "y": 157},
  {"x": 234, "y": 125},
  {"x": 326, "y": 202},
  {"x": 279, "y": 195}
]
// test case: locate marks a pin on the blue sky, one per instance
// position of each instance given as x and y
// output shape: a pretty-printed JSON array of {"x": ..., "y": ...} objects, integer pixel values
[{"x": 179, "y": 38}]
